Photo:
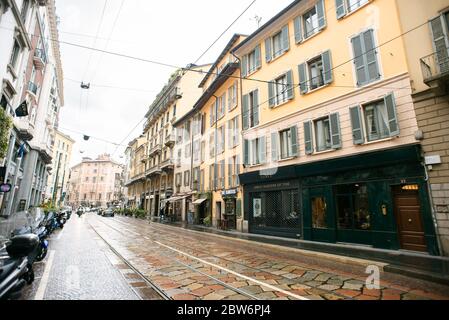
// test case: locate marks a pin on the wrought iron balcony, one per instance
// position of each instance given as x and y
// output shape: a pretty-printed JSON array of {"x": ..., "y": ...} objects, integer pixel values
[
  {"x": 155, "y": 170},
  {"x": 167, "y": 165},
  {"x": 156, "y": 149},
  {"x": 435, "y": 68},
  {"x": 170, "y": 140},
  {"x": 32, "y": 88},
  {"x": 39, "y": 59}
]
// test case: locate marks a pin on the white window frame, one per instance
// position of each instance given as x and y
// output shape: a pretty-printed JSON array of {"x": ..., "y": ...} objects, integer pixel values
[
  {"x": 316, "y": 133},
  {"x": 285, "y": 142},
  {"x": 310, "y": 63},
  {"x": 277, "y": 96}
]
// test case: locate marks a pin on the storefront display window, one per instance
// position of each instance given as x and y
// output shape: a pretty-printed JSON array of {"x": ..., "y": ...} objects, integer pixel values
[
  {"x": 278, "y": 209},
  {"x": 353, "y": 207}
]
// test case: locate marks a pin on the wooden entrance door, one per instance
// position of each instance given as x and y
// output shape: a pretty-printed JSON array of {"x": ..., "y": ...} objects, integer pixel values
[{"x": 408, "y": 214}]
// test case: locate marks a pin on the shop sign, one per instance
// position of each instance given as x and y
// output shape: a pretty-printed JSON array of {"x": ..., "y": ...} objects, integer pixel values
[
  {"x": 272, "y": 186},
  {"x": 257, "y": 208},
  {"x": 229, "y": 193}
]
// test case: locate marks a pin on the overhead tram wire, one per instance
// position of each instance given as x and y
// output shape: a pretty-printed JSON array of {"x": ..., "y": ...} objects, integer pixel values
[
  {"x": 216, "y": 73},
  {"x": 226, "y": 30}
]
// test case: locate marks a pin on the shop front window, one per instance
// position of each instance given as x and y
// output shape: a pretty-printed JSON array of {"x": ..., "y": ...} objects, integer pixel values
[
  {"x": 319, "y": 208},
  {"x": 353, "y": 207},
  {"x": 276, "y": 209}
]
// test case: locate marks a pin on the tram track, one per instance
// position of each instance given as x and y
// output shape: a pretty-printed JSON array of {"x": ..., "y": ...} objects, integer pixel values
[{"x": 171, "y": 258}]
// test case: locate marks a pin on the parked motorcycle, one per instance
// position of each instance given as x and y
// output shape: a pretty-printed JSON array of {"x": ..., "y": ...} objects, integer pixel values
[
  {"x": 16, "y": 271},
  {"x": 36, "y": 225}
]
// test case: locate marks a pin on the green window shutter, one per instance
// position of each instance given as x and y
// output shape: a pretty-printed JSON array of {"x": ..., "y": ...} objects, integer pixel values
[
  {"x": 290, "y": 88},
  {"x": 244, "y": 66},
  {"x": 392, "y": 115},
  {"x": 245, "y": 115},
  {"x": 268, "y": 54},
  {"x": 238, "y": 208},
  {"x": 230, "y": 133},
  {"x": 327, "y": 67},
  {"x": 262, "y": 150},
  {"x": 321, "y": 15},
  {"x": 236, "y": 132},
  {"x": 246, "y": 152},
  {"x": 298, "y": 29},
  {"x": 294, "y": 134},
  {"x": 356, "y": 123},
  {"x": 271, "y": 100},
  {"x": 285, "y": 39},
  {"x": 274, "y": 147},
  {"x": 359, "y": 59},
  {"x": 223, "y": 174},
  {"x": 257, "y": 56},
  {"x": 341, "y": 8},
  {"x": 303, "y": 83},
  {"x": 440, "y": 43},
  {"x": 308, "y": 137},
  {"x": 372, "y": 65},
  {"x": 237, "y": 160},
  {"x": 230, "y": 173},
  {"x": 335, "y": 130},
  {"x": 256, "y": 108}
]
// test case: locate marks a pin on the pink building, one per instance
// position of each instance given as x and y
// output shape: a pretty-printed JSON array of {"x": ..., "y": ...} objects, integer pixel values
[{"x": 96, "y": 182}]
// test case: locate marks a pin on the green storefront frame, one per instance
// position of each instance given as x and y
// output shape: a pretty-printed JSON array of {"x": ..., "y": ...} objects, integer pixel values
[{"x": 379, "y": 171}]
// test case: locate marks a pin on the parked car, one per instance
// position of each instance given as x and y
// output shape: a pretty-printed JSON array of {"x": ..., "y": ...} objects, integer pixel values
[{"x": 108, "y": 213}]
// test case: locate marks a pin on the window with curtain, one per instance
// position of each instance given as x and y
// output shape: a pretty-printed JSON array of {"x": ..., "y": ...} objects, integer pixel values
[
  {"x": 310, "y": 19},
  {"x": 323, "y": 134},
  {"x": 376, "y": 119},
  {"x": 281, "y": 90}
]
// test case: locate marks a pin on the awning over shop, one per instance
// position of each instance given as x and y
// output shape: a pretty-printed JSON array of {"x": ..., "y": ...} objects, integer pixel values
[
  {"x": 174, "y": 199},
  {"x": 199, "y": 201}
]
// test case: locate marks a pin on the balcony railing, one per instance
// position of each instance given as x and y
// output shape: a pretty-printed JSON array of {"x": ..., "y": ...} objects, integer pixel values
[
  {"x": 167, "y": 165},
  {"x": 39, "y": 58},
  {"x": 435, "y": 67},
  {"x": 32, "y": 87},
  {"x": 156, "y": 149},
  {"x": 155, "y": 170},
  {"x": 170, "y": 140}
]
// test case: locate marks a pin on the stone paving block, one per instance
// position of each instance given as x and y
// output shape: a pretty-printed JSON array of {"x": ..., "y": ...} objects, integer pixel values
[
  {"x": 238, "y": 284},
  {"x": 323, "y": 277},
  {"x": 313, "y": 283},
  {"x": 291, "y": 276},
  {"x": 266, "y": 295},
  {"x": 201, "y": 292},
  {"x": 348, "y": 293},
  {"x": 174, "y": 292},
  {"x": 328, "y": 287},
  {"x": 225, "y": 292},
  {"x": 194, "y": 286},
  {"x": 213, "y": 296},
  {"x": 236, "y": 297},
  {"x": 252, "y": 289},
  {"x": 184, "y": 296}
]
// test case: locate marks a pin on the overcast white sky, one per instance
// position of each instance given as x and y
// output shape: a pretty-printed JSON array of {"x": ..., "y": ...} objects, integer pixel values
[{"x": 169, "y": 31}]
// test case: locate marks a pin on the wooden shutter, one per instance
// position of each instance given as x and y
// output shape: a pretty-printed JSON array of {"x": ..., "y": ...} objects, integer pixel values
[
  {"x": 359, "y": 59},
  {"x": 245, "y": 114},
  {"x": 334, "y": 120},
  {"x": 268, "y": 53},
  {"x": 230, "y": 133},
  {"x": 236, "y": 131},
  {"x": 258, "y": 57},
  {"x": 392, "y": 115},
  {"x": 285, "y": 39},
  {"x": 290, "y": 88},
  {"x": 308, "y": 137},
  {"x": 246, "y": 152},
  {"x": 244, "y": 66},
  {"x": 341, "y": 8},
  {"x": 440, "y": 43},
  {"x": 255, "y": 108},
  {"x": 237, "y": 168},
  {"x": 327, "y": 67},
  {"x": 271, "y": 98},
  {"x": 275, "y": 146},
  {"x": 356, "y": 123},
  {"x": 262, "y": 150},
  {"x": 372, "y": 66},
  {"x": 230, "y": 173},
  {"x": 222, "y": 174},
  {"x": 321, "y": 15},
  {"x": 294, "y": 135},
  {"x": 303, "y": 83},
  {"x": 298, "y": 29}
]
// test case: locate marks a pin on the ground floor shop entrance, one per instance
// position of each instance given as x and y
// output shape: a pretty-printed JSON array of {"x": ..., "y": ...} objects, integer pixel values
[{"x": 378, "y": 199}]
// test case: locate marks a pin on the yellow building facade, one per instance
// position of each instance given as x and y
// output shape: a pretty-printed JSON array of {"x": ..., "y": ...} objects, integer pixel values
[
  {"x": 135, "y": 173},
  {"x": 209, "y": 147},
  {"x": 330, "y": 143}
]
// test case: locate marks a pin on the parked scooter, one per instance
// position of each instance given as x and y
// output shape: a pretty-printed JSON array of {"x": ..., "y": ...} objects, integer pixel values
[
  {"x": 36, "y": 225},
  {"x": 15, "y": 269}
]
